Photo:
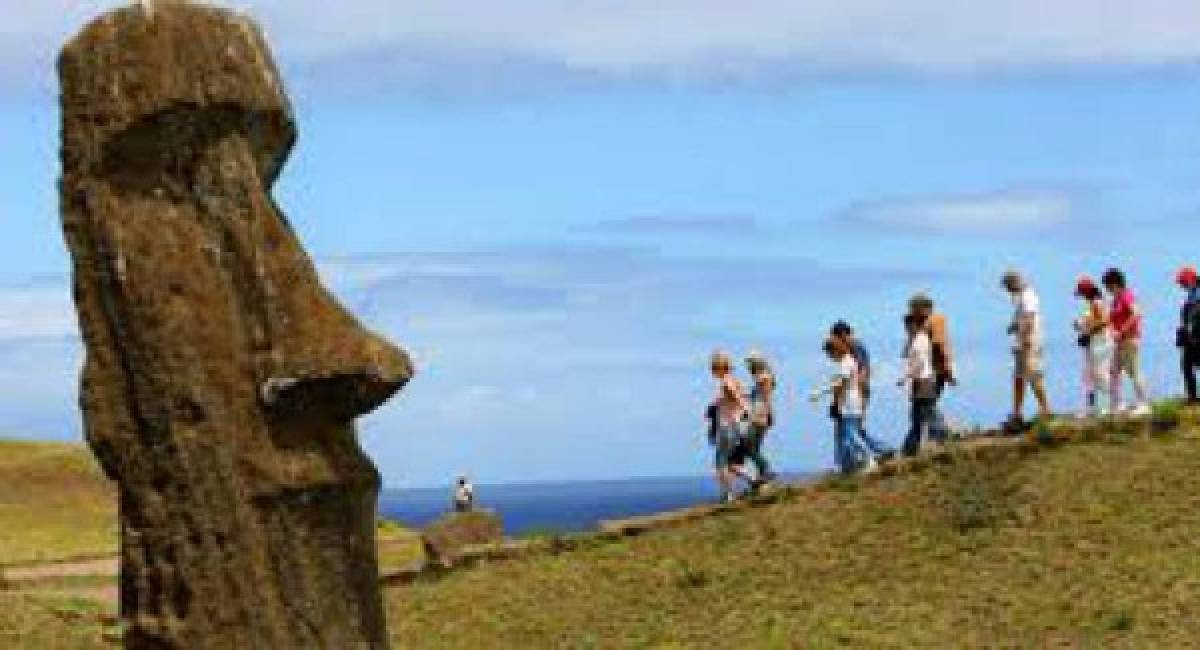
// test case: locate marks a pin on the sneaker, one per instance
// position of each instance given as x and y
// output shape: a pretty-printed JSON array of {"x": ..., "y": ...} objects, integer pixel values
[
  {"x": 1141, "y": 410},
  {"x": 870, "y": 466}
]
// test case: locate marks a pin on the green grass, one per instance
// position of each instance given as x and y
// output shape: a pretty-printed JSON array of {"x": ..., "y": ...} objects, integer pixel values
[
  {"x": 52, "y": 623},
  {"x": 1087, "y": 544},
  {"x": 54, "y": 503}
]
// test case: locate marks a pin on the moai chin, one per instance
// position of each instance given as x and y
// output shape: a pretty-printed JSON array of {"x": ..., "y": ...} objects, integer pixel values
[{"x": 221, "y": 379}]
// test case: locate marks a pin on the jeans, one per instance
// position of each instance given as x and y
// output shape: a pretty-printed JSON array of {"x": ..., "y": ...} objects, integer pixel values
[
  {"x": 754, "y": 452},
  {"x": 849, "y": 451},
  {"x": 922, "y": 416},
  {"x": 1190, "y": 358},
  {"x": 875, "y": 445},
  {"x": 938, "y": 429}
]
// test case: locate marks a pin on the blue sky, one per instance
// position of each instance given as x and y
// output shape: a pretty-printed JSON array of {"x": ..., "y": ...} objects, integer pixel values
[{"x": 562, "y": 209}]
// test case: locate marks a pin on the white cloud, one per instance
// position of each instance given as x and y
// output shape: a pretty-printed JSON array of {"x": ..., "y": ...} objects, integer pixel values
[
  {"x": 1004, "y": 212},
  {"x": 688, "y": 38}
]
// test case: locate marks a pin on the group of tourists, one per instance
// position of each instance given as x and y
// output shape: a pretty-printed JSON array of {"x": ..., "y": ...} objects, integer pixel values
[{"x": 1108, "y": 332}]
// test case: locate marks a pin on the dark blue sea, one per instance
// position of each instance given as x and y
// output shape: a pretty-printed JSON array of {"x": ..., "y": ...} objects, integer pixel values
[{"x": 555, "y": 507}]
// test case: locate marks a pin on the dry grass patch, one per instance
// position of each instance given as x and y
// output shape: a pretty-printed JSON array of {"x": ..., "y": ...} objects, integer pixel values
[{"x": 54, "y": 504}]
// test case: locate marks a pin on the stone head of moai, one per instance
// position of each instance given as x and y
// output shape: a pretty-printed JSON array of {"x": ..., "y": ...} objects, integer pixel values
[{"x": 221, "y": 379}]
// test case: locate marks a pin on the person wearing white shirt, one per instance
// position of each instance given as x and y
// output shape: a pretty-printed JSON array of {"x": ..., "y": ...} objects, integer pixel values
[
  {"x": 850, "y": 452},
  {"x": 464, "y": 495},
  {"x": 1026, "y": 330},
  {"x": 921, "y": 380}
]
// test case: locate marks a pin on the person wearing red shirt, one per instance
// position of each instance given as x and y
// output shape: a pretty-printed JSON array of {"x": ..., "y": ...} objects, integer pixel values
[{"x": 1126, "y": 321}]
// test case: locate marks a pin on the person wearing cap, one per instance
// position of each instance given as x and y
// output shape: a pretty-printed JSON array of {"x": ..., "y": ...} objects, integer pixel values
[
  {"x": 1125, "y": 318},
  {"x": 1094, "y": 338},
  {"x": 1188, "y": 338},
  {"x": 1026, "y": 330},
  {"x": 842, "y": 331},
  {"x": 762, "y": 415},
  {"x": 464, "y": 495},
  {"x": 921, "y": 307}
]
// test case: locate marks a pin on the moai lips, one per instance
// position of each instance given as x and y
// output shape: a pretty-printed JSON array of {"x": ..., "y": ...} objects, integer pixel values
[{"x": 221, "y": 379}]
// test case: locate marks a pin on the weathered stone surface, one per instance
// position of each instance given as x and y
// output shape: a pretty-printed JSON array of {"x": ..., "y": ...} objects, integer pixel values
[
  {"x": 446, "y": 538},
  {"x": 221, "y": 380}
]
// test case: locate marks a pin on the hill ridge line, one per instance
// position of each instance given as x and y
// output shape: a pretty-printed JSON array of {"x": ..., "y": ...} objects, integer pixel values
[{"x": 1052, "y": 434}]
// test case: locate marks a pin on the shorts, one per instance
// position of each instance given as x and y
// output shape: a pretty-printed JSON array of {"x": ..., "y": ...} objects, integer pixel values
[
  {"x": 1028, "y": 363},
  {"x": 727, "y": 444},
  {"x": 1127, "y": 359}
]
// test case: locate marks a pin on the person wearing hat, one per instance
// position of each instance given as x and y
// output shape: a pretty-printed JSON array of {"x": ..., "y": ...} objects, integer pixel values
[
  {"x": 1188, "y": 338},
  {"x": 921, "y": 308},
  {"x": 1096, "y": 341},
  {"x": 1026, "y": 330},
  {"x": 762, "y": 415}
]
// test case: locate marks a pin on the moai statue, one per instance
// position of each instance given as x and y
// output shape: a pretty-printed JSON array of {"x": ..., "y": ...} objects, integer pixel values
[{"x": 222, "y": 380}]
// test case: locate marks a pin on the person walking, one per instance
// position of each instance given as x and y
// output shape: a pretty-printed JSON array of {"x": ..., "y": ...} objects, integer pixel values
[
  {"x": 846, "y": 410},
  {"x": 762, "y": 415},
  {"x": 937, "y": 327},
  {"x": 1188, "y": 336},
  {"x": 727, "y": 426},
  {"x": 1126, "y": 320},
  {"x": 842, "y": 331},
  {"x": 1096, "y": 342},
  {"x": 1026, "y": 330},
  {"x": 921, "y": 380}
]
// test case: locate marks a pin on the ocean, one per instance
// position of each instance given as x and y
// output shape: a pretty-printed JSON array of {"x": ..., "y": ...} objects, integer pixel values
[{"x": 555, "y": 507}]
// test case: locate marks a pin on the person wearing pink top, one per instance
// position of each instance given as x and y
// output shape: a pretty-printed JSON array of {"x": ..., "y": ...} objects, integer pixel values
[
  {"x": 728, "y": 420},
  {"x": 1125, "y": 319}
]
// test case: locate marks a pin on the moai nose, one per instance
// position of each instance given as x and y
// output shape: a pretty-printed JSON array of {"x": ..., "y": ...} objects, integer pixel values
[{"x": 346, "y": 388}]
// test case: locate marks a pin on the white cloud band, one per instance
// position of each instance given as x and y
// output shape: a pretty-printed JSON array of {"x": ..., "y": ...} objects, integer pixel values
[{"x": 687, "y": 38}]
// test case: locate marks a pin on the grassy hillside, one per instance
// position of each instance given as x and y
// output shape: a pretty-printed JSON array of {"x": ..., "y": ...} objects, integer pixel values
[
  {"x": 1091, "y": 544},
  {"x": 1087, "y": 545},
  {"x": 54, "y": 503}
]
